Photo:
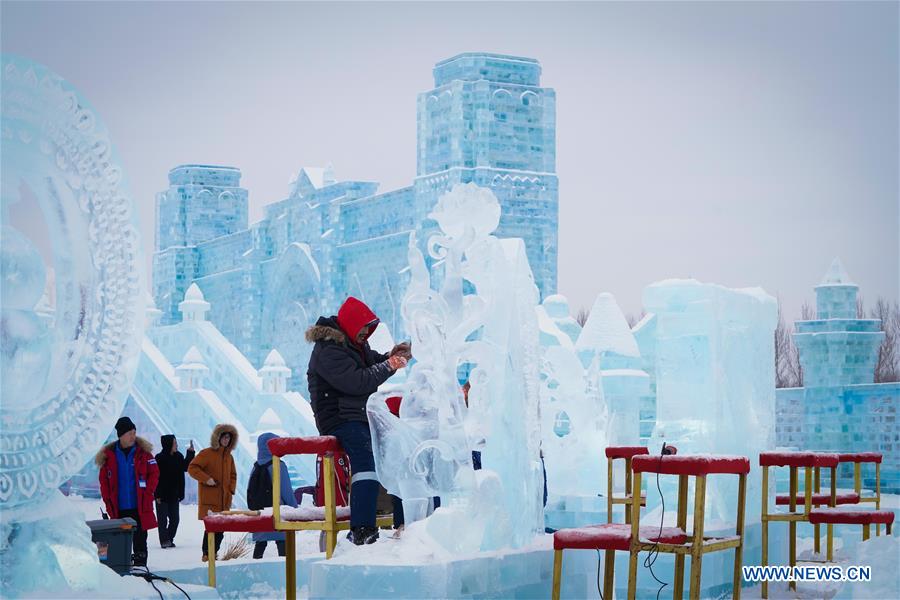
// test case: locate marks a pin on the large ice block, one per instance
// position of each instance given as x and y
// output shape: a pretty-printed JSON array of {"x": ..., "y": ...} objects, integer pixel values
[{"x": 715, "y": 377}]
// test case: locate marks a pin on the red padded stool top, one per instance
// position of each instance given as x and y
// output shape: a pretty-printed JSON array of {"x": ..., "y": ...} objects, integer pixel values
[
  {"x": 247, "y": 523},
  {"x": 850, "y": 517},
  {"x": 314, "y": 444},
  {"x": 613, "y": 536},
  {"x": 861, "y": 457},
  {"x": 693, "y": 464},
  {"x": 626, "y": 451},
  {"x": 843, "y": 498},
  {"x": 798, "y": 459}
]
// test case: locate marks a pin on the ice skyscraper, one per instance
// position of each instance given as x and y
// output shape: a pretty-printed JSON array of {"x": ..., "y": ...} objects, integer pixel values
[{"x": 487, "y": 121}]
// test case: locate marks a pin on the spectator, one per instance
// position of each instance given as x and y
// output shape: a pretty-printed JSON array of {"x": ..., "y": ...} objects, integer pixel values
[
  {"x": 216, "y": 477},
  {"x": 264, "y": 461},
  {"x": 170, "y": 491},
  {"x": 128, "y": 477}
]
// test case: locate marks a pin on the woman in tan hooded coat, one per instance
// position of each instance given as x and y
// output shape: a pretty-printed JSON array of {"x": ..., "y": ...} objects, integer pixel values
[{"x": 213, "y": 468}]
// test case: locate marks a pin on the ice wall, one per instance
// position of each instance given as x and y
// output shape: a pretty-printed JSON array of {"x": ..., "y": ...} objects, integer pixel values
[{"x": 715, "y": 377}]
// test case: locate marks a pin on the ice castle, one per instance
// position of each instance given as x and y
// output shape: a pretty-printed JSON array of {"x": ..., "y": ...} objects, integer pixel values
[
  {"x": 487, "y": 121},
  {"x": 839, "y": 407}
]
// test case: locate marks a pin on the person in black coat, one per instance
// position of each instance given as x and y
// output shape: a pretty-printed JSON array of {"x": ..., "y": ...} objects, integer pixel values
[
  {"x": 170, "y": 491},
  {"x": 343, "y": 372}
]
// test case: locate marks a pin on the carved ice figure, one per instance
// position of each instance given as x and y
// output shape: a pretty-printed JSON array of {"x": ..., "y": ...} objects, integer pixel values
[
  {"x": 66, "y": 374},
  {"x": 427, "y": 451},
  {"x": 573, "y": 412}
]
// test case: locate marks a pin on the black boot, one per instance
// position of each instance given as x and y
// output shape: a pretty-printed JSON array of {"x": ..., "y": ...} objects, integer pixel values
[
  {"x": 139, "y": 559},
  {"x": 363, "y": 535},
  {"x": 280, "y": 545},
  {"x": 259, "y": 549}
]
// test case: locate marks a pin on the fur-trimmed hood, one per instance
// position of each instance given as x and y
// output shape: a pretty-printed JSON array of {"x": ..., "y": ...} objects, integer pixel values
[
  {"x": 217, "y": 432},
  {"x": 100, "y": 457},
  {"x": 325, "y": 333}
]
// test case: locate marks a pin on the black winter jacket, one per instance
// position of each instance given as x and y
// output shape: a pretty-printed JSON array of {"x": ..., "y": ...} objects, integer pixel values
[
  {"x": 172, "y": 468},
  {"x": 341, "y": 376}
]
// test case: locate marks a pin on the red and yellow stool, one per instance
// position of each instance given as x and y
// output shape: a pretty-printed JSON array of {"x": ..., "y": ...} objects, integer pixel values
[
  {"x": 810, "y": 462},
  {"x": 634, "y": 538},
  {"x": 699, "y": 467},
  {"x": 233, "y": 521},
  {"x": 858, "y": 459},
  {"x": 330, "y": 523},
  {"x": 626, "y": 453},
  {"x": 832, "y": 516}
]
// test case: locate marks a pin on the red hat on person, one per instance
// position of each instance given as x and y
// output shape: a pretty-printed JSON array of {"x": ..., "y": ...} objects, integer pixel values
[{"x": 353, "y": 316}]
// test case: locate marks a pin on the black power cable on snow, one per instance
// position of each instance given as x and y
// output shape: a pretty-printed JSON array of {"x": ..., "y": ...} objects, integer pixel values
[{"x": 148, "y": 576}]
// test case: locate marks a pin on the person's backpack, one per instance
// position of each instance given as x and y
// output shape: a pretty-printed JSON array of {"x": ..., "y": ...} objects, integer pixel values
[
  {"x": 341, "y": 480},
  {"x": 259, "y": 488}
]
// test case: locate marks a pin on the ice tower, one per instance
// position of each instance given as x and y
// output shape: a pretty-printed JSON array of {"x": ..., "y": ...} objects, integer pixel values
[
  {"x": 202, "y": 203},
  {"x": 837, "y": 348},
  {"x": 840, "y": 408},
  {"x": 489, "y": 121}
]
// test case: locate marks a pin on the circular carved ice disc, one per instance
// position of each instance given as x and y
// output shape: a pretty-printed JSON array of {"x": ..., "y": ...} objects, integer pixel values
[{"x": 66, "y": 368}]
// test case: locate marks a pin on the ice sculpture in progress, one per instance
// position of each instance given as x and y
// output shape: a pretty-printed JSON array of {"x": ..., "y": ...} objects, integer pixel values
[
  {"x": 64, "y": 377},
  {"x": 427, "y": 451}
]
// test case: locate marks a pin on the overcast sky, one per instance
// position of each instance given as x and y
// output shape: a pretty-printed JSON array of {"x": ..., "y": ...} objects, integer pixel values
[{"x": 738, "y": 143}]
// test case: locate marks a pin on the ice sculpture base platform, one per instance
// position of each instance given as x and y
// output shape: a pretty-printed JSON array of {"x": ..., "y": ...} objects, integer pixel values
[{"x": 524, "y": 573}]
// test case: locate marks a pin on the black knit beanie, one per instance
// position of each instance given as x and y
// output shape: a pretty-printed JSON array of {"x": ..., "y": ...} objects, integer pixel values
[{"x": 123, "y": 426}]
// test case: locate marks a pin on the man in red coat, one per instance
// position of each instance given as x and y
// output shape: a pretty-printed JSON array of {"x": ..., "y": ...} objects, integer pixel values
[{"x": 128, "y": 478}]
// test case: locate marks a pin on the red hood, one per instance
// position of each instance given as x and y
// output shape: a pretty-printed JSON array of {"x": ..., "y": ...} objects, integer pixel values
[{"x": 353, "y": 316}]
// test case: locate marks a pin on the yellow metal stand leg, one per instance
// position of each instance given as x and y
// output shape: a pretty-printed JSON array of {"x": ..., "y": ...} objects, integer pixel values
[
  {"x": 681, "y": 523},
  {"x": 609, "y": 490},
  {"x": 330, "y": 507},
  {"x": 628, "y": 487},
  {"x": 829, "y": 534},
  {"x": 867, "y": 531},
  {"x": 764, "y": 517},
  {"x": 739, "y": 531},
  {"x": 211, "y": 554},
  {"x": 878, "y": 496},
  {"x": 609, "y": 573},
  {"x": 290, "y": 564},
  {"x": 697, "y": 540},
  {"x": 792, "y": 527},
  {"x": 635, "y": 537},
  {"x": 557, "y": 573},
  {"x": 817, "y": 547}
]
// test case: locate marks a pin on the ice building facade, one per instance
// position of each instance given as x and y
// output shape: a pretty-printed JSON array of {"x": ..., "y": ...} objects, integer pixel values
[
  {"x": 487, "y": 120},
  {"x": 190, "y": 378},
  {"x": 839, "y": 407}
]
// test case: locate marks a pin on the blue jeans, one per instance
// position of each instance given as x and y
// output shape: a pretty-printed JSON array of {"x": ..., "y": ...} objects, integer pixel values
[{"x": 356, "y": 440}]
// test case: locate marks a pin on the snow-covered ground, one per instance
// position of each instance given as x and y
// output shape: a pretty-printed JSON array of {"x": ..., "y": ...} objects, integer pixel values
[
  {"x": 187, "y": 553},
  {"x": 882, "y": 554}
]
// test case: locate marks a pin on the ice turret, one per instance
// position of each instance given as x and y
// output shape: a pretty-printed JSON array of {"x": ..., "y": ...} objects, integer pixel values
[
  {"x": 191, "y": 371},
  {"x": 193, "y": 307},
  {"x": 270, "y": 422},
  {"x": 837, "y": 348},
  {"x": 274, "y": 374},
  {"x": 607, "y": 341}
]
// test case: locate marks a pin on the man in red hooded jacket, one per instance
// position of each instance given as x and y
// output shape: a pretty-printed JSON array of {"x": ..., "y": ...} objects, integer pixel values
[
  {"x": 128, "y": 477},
  {"x": 343, "y": 372}
]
